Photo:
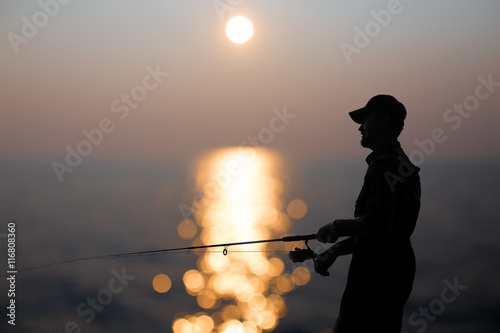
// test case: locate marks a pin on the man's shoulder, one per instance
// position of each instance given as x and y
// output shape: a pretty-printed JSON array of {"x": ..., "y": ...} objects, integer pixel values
[
  {"x": 388, "y": 157},
  {"x": 392, "y": 159}
]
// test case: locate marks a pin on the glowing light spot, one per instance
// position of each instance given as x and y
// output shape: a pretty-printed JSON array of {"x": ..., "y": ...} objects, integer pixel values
[
  {"x": 161, "y": 283},
  {"x": 257, "y": 303},
  {"x": 205, "y": 324},
  {"x": 187, "y": 229},
  {"x": 258, "y": 265},
  {"x": 251, "y": 327},
  {"x": 269, "y": 320},
  {"x": 275, "y": 302},
  {"x": 230, "y": 312},
  {"x": 232, "y": 326},
  {"x": 217, "y": 318},
  {"x": 193, "y": 281},
  {"x": 301, "y": 276},
  {"x": 244, "y": 292},
  {"x": 268, "y": 215},
  {"x": 181, "y": 325},
  {"x": 276, "y": 267},
  {"x": 217, "y": 262},
  {"x": 285, "y": 283},
  {"x": 206, "y": 299},
  {"x": 297, "y": 209}
]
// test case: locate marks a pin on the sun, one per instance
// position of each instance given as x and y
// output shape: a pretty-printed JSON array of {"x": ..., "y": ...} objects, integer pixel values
[{"x": 239, "y": 29}]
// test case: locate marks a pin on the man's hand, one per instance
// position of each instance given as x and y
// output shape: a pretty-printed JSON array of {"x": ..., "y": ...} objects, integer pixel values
[
  {"x": 326, "y": 234},
  {"x": 325, "y": 260}
]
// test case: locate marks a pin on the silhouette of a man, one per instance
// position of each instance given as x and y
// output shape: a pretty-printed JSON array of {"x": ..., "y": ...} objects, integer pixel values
[{"x": 382, "y": 267}]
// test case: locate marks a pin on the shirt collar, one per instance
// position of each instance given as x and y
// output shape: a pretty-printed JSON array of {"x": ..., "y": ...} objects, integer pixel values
[{"x": 382, "y": 150}]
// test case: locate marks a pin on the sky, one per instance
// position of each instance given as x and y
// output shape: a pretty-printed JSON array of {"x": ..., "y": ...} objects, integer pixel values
[{"x": 108, "y": 108}]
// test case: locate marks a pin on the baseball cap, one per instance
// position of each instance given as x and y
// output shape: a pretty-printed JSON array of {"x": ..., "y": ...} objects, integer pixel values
[{"x": 382, "y": 104}]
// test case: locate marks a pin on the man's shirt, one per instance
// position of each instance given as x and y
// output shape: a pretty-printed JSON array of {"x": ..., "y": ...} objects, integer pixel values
[{"x": 390, "y": 197}]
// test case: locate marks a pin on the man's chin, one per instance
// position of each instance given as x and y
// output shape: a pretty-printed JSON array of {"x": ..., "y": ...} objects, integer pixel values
[{"x": 365, "y": 143}]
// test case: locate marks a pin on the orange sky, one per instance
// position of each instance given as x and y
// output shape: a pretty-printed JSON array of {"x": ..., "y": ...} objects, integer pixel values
[{"x": 65, "y": 78}]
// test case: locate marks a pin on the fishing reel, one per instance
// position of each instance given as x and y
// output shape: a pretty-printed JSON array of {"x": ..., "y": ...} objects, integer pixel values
[{"x": 301, "y": 255}]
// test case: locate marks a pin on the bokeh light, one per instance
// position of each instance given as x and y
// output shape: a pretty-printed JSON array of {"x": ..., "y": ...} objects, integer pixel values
[
  {"x": 297, "y": 209},
  {"x": 242, "y": 200},
  {"x": 285, "y": 283},
  {"x": 161, "y": 283},
  {"x": 193, "y": 281},
  {"x": 187, "y": 229},
  {"x": 301, "y": 276}
]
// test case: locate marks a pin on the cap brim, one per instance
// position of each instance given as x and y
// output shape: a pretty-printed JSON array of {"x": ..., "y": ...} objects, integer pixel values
[{"x": 358, "y": 115}]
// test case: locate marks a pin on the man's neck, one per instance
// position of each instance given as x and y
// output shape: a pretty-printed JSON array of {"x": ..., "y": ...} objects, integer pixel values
[{"x": 384, "y": 143}]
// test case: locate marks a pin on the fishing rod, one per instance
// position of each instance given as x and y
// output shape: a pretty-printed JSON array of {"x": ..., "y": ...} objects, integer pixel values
[
  {"x": 297, "y": 256},
  {"x": 225, "y": 245}
]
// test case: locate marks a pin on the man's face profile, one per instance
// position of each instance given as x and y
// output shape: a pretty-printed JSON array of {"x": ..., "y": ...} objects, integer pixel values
[{"x": 372, "y": 128}]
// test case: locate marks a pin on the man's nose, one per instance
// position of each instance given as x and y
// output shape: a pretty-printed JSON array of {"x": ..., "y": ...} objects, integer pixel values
[{"x": 360, "y": 127}]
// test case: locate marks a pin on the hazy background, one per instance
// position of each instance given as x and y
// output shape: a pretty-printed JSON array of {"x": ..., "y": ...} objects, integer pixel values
[{"x": 124, "y": 195}]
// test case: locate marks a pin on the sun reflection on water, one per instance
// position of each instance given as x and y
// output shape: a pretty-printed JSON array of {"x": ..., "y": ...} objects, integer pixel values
[{"x": 242, "y": 200}]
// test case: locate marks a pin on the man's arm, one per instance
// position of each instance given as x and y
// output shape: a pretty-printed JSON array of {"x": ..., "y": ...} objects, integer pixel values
[
  {"x": 340, "y": 228},
  {"x": 338, "y": 249},
  {"x": 352, "y": 227},
  {"x": 327, "y": 258},
  {"x": 343, "y": 247}
]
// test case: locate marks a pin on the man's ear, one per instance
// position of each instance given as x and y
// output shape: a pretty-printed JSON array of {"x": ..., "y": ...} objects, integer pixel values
[{"x": 385, "y": 121}]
